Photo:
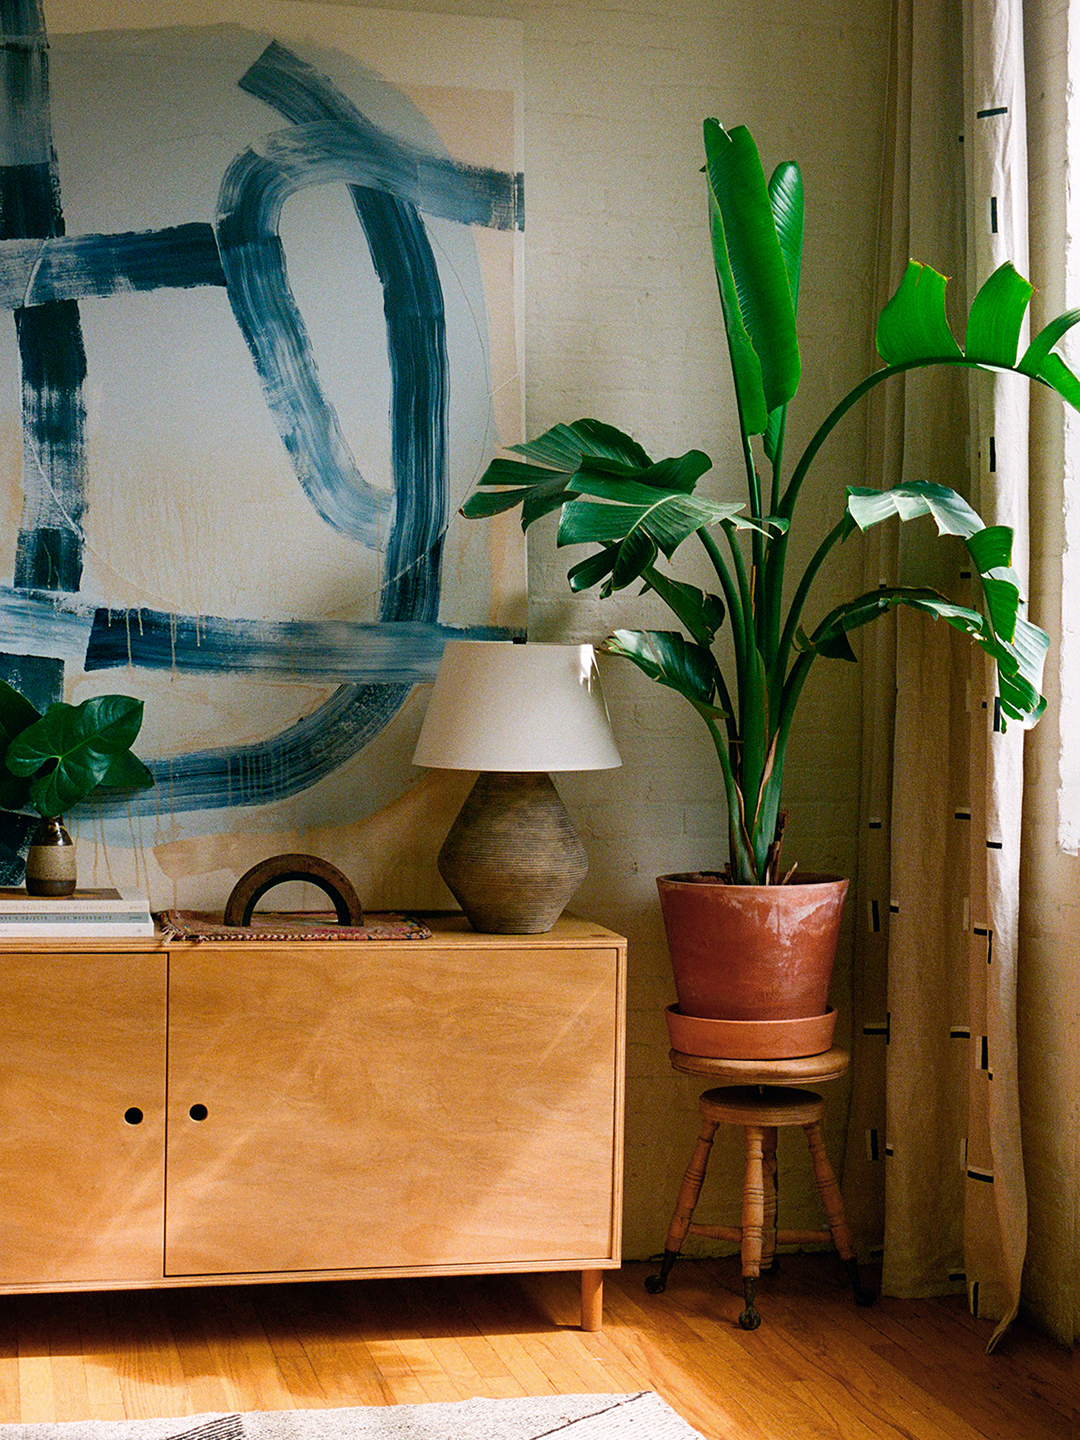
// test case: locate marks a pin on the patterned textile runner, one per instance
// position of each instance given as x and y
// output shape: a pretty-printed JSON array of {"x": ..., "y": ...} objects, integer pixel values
[{"x": 280, "y": 925}]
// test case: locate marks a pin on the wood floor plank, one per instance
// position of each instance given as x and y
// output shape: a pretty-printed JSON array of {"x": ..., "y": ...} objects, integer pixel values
[
  {"x": 818, "y": 1368},
  {"x": 37, "y": 1399},
  {"x": 9, "y": 1366},
  {"x": 332, "y": 1339},
  {"x": 105, "y": 1399}
]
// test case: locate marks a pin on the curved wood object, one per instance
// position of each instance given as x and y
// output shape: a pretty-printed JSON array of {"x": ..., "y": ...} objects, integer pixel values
[{"x": 250, "y": 888}]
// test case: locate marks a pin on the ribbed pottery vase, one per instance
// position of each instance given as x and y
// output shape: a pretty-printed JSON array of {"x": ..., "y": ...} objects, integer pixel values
[
  {"x": 512, "y": 858},
  {"x": 50, "y": 862}
]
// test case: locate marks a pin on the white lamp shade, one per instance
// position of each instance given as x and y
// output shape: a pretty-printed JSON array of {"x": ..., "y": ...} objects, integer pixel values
[{"x": 511, "y": 707}]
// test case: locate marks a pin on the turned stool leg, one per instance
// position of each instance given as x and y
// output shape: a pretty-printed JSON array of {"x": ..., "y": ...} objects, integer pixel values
[
  {"x": 829, "y": 1191},
  {"x": 689, "y": 1191},
  {"x": 753, "y": 1220},
  {"x": 770, "y": 1181}
]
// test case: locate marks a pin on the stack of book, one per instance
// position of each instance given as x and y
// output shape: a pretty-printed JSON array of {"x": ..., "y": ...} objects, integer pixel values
[{"x": 87, "y": 914}]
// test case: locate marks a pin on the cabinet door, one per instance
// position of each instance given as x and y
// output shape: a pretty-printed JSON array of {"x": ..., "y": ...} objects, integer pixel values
[
  {"x": 371, "y": 1105},
  {"x": 82, "y": 1058}
]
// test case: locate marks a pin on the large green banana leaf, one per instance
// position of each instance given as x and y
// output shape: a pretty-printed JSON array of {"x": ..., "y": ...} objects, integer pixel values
[
  {"x": 1019, "y": 661},
  {"x": 1017, "y": 647},
  {"x": 788, "y": 207},
  {"x": 752, "y": 273},
  {"x": 611, "y": 494},
  {"x": 699, "y": 611},
  {"x": 667, "y": 657},
  {"x": 913, "y": 330}
]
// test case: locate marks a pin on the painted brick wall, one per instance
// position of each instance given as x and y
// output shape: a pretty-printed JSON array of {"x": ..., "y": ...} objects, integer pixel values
[{"x": 622, "y": 323}]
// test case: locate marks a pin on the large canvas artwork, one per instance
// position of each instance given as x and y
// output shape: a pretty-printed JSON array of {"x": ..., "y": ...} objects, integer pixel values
[{"x": 262, "y": 266}]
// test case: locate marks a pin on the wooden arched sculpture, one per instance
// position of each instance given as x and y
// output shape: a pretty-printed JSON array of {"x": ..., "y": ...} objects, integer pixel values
[{"x": 252, "y": 886}]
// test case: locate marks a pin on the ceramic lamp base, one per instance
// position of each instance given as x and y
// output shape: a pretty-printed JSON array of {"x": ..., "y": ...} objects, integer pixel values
[
  {"x": 50, "y": 862},
  {"x": 512, "y": 858}
]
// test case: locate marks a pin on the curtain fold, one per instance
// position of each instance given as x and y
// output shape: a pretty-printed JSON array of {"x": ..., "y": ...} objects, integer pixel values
[{"x": 934, "y": 1172}]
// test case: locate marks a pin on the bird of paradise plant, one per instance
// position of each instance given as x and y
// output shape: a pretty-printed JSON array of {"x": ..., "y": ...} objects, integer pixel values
[{"x": 636, "y": 510}]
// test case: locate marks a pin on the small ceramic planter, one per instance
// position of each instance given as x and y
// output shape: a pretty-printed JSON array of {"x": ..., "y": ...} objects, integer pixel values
[{"x": 50, "y": 863}]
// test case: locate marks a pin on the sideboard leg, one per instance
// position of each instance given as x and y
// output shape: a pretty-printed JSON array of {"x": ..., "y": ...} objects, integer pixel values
[{"x": 592, "y": 1299}]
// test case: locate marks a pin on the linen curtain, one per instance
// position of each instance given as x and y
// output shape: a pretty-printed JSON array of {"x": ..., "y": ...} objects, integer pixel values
[{"x": 934, "y": 1169}]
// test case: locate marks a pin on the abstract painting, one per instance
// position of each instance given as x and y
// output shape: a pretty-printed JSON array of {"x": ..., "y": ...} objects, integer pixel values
[{"x": 262, "y": 267}]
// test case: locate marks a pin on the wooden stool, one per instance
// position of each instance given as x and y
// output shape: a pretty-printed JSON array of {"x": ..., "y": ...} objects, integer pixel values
[{"x": 761, "y": 1105}]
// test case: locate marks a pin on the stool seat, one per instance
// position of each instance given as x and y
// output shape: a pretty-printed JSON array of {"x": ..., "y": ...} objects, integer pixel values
[
  {"x": 761, "y": 1109},
  {"x": 762, "y": 1105},
  {"x": 806, "y": 1070}
]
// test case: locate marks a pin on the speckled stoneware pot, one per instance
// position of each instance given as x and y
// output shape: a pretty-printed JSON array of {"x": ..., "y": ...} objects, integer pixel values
[{"x": 50, "y": 863}]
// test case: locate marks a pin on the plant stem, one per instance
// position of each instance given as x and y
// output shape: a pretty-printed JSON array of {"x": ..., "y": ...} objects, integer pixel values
[
  {"x": 828, "y": 425},
  {"x": 799, "y": 599},
  {"x": 731, "y": 597},
  {"x": 741, "y": 853}
]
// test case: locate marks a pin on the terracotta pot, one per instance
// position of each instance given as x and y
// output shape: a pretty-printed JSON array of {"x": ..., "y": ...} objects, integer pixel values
[
  {"x": 750, "y": 1039},
  {"x": 752, "y": 952}
]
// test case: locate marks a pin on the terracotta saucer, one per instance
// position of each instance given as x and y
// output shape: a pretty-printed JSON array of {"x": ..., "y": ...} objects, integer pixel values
[{"x": 751, "y": 1039}]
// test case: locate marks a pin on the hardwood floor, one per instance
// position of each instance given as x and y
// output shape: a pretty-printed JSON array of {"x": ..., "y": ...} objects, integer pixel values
[{"x": 818, "y": 1366}]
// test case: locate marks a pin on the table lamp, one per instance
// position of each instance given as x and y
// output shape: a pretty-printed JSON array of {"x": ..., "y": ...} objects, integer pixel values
[{"x": 515, "y": 711}]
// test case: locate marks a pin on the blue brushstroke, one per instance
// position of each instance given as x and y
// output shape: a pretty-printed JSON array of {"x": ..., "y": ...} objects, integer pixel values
[
  {"x": 72, "y": 267},
  {"x": 326, "y": 121},
  {"x": 415, "y": 326},
  {"x": 93, "y": 637},
  {"x": 308, "y": 651},
  {"x": 55, "y": 626},
  {"x": 237, "y": 775},
  {"x": 50, "y": 543},
  {"x": 49, "y": 548}
]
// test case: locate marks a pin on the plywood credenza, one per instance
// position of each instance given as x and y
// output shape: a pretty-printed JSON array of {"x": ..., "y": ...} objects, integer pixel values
[{"x": 189, "y": 1114}]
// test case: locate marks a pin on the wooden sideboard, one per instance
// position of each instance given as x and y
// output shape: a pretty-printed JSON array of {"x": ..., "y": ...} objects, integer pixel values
[{"x": 188, "y": 1114}]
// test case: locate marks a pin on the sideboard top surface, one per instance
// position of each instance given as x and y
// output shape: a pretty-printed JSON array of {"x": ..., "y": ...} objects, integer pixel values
[{"x": 447, "y": 927}]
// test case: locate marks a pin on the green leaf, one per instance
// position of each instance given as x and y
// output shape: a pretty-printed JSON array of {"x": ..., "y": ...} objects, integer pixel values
[
  {"x": 755, "y": 290},
  {"x": 594, "y": 568},
  {"x": 788, "y": 210},
  {"x": 667, "y": 520},
  {"x": 952, "y": 513},
  {"x": 571, "y": 452},
  {"x": 681, "y": 472},
  {"x": 1032, "y": 359},
  {"x": 68, "y": 752},
  {"x": 127, "y": 772},
  {"x": 670, "y": 659},
  {"x": 1056, "y": 374},
  {"x": 1019, "y": 658},
  {"x": 702, "y": 614},
  {"x": 564, "y": 447},
  {"x": 991, "y": 547},
  {"x": 636, "y": 555},
  {"x": 16, "y": 713},
  {"x": 912, "y": 326},
  {"x": 788, "y": 207},
  {"x": 996, "y": 318}
]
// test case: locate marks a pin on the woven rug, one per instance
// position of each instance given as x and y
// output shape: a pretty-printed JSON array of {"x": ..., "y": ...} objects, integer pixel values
[
  {"x": 276, "y": 925},
  {"x": 570, "y": 1417}
]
